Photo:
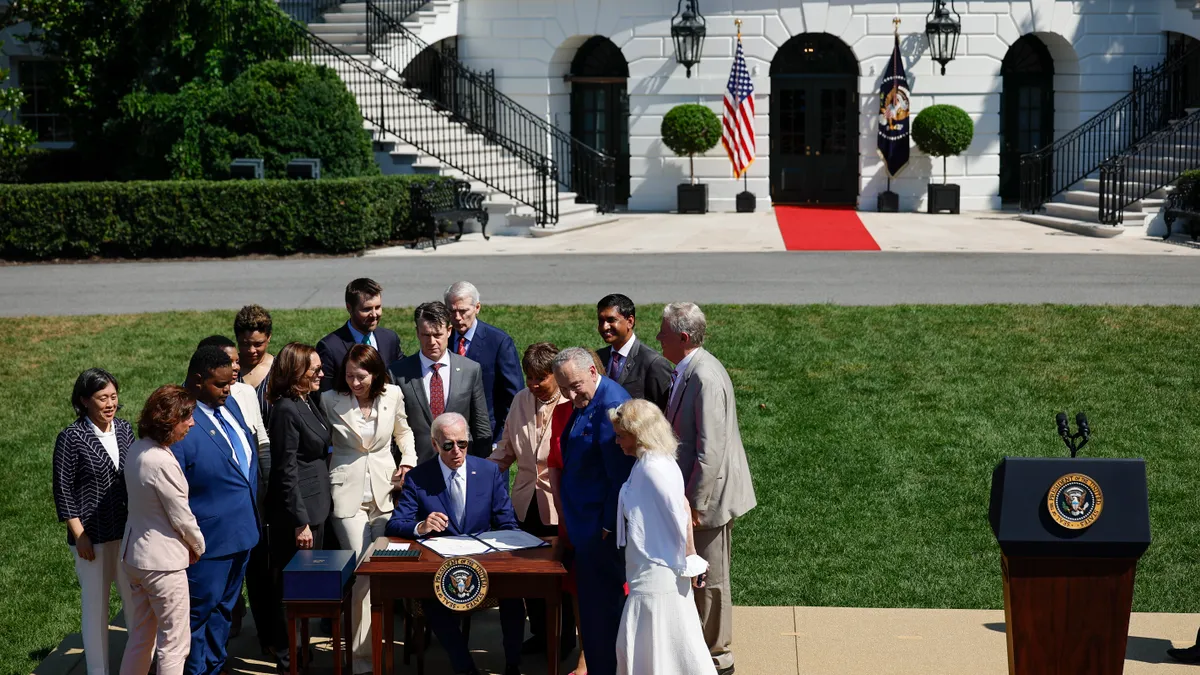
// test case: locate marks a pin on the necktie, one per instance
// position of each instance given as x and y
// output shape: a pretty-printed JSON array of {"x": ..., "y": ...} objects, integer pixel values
[
  {"x": 366, "y": 339},
  {"x": 437, "y": 396},
  {"x": 614, "y": 366},
  {"x": 458, "y": 498},
  {"x": 462, "y": 346},
  {"x": 239, "y": 450}
]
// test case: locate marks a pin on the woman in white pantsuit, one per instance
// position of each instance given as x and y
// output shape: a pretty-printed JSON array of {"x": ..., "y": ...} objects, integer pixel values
[
  {"x": 660, "y": 631},
  {"x": 366, "y": 414},
  {"x": 161, "y": 538}
]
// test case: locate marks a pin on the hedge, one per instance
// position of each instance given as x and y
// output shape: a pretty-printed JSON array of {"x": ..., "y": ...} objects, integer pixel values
[{"x": 189, "y": 218}]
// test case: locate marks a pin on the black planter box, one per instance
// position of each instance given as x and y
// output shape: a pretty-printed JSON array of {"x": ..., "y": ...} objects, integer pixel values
[
  {"x": 693, "y": 198},
  {"x": 888, "y": 202},
  {"x": 943, "y": 198},
  {"x": 745, "y": 202}
]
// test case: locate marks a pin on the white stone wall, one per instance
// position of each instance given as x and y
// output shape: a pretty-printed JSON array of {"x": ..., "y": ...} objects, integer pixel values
[{"x": 1095, "y": 43}]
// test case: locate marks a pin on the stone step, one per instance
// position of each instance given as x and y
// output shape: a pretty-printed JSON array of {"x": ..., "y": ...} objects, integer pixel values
[
  {"x": 338, "y": 17},
  {"x": 1088, "y": 229},
  {"x": 1088, "y": 214}
]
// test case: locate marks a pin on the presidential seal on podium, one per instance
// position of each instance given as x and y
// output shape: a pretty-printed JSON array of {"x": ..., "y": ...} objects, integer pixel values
[
  {"x": 1075, "y": 501},
  {"x": 460, "y": 584}
]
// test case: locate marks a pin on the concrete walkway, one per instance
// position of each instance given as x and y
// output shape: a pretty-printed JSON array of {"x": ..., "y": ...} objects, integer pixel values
[
  {"x": 975, "y": 232},
  {"x": 776, "y": 641}
]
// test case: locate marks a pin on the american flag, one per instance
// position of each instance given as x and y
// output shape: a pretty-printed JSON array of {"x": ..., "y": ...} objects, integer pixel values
[{"x": 738, "y": 120}]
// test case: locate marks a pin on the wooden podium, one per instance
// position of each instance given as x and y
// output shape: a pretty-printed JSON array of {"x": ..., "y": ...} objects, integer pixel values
[{"x": 1068, "y": 589}]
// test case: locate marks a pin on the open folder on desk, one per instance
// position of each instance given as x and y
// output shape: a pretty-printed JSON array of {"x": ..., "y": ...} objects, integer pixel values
[{"x": 480, "y": 544}]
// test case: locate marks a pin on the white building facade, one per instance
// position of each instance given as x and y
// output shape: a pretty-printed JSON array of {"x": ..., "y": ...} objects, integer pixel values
[
  {"x": 605, "y": 72},
  {"x": 1089, "y": 47}
]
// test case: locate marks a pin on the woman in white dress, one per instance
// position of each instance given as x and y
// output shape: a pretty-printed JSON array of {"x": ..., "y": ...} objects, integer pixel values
[{"x": 660, "y": 630}]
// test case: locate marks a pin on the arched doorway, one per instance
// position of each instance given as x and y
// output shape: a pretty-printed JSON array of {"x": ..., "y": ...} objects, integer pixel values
[
  {"x": 600, "y": 104},
  {"x": 1026, "y": 109},
  {"x": 814, "y": 122}
]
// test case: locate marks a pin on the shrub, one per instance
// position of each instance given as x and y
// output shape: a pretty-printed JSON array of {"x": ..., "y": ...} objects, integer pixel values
[
  {"x": 276, "y": 110},
  {"x": 691, "y": 129},
  {"x": 943, "y": 131},
  {"x": 184, "y": 218}
]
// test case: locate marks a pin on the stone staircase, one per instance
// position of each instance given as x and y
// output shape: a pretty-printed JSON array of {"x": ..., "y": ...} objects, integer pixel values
[
  {"x": 421, "y": 140},
  {"x": 1078, "y": 209}
]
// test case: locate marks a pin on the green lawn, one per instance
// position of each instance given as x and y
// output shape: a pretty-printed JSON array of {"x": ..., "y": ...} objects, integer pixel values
[{"x": 872, "y": 433}]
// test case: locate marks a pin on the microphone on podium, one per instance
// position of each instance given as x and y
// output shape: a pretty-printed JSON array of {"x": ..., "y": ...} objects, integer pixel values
[
  {"x": 1064, "y": 429},
  {"x": 1081, "y": 423}
]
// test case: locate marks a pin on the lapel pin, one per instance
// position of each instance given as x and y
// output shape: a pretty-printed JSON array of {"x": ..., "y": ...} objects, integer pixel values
[
  {"x": 457, "y": 369},
  {"x": 212, "y": 433}
]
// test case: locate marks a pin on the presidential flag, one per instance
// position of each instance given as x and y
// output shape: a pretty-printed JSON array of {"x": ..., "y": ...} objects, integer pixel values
[
  {"x": 738, "y": 121},
  {"x": 893, "y": 114}
]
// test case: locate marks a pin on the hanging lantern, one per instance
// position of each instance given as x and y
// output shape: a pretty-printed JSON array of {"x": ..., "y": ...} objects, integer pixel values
[
  {"x": 687, "y": 31},
  {"x": 942, "y": 27}
]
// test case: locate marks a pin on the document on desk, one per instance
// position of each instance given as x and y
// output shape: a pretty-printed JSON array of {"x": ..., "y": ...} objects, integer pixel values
[
  {"x": 510, "y": 540},
  {"x": 480, "y": 544}
]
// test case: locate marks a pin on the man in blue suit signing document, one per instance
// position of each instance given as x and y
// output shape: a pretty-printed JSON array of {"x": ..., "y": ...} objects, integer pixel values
[
  {"x": 453, "y": 494},
  {"x": 594, "y": 469},
  {"x": 220, "y": 461}
]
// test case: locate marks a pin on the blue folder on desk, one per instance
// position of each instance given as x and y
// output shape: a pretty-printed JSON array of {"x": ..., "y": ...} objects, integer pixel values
[{"x": 318, "y": 575}]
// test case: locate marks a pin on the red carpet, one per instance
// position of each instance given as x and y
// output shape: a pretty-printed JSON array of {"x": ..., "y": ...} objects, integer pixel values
[{"x": 823, "y": 229}]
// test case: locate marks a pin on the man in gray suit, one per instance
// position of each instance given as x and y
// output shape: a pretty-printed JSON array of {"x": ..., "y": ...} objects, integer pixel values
[
  {"x": 715, "y": 472},
  {"x": 436, "y": 381}
]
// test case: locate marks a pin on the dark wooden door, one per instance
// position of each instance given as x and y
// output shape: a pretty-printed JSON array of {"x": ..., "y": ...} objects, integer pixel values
[
  {"x": 814, "y": 140},
  {"x": 1026, "y": 109},
  {"x": 600, "y": 118}
]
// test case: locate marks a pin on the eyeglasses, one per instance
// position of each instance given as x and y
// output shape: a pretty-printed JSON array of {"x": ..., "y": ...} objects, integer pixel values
[{"x": 447, "y": 446}]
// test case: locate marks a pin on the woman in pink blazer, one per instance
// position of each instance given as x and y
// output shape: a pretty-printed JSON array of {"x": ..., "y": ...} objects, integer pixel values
[
  {"x": 161, "y": 537},
  {"x": 526, "y": 441}
]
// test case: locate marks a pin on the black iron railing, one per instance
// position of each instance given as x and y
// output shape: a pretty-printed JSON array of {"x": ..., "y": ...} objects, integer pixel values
[
  {"x": 1150, "y": 165},
  {"x": 1160, "y": 94},
  {"x": 472, "y": 99},
  {"x": 398, "y": 113}
]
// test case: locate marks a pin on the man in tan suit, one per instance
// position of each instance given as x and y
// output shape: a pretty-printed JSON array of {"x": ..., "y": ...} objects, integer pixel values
[{"x": 703, "y": 414}]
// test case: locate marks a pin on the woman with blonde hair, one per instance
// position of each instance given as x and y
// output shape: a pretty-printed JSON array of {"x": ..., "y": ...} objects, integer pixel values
[{"x": 660, "y": 631}]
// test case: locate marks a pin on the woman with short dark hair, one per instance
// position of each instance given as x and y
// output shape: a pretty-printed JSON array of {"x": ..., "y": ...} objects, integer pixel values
[
  {"x": 366, "y": 415},
  {"x": 89, "y": 495},
  {"x": 252, "y": 328},
  {"x": 162, "y": 538},
  {"x": 298, "y": 499}
]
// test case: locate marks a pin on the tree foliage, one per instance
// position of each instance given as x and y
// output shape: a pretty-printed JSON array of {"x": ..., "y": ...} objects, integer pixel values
[
  {"x": 110, "y": 49},
  {"x": 276, "y": 110},
  {"x": 690, "y": 129},
  {"x": 15, "y": 138},
  {"x": 943, "y": 131}
]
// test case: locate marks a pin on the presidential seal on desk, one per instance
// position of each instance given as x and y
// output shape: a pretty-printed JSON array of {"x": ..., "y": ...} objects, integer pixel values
[
  {"x": 1075, "y": 501},
  {"x": 460, "y": 584}
]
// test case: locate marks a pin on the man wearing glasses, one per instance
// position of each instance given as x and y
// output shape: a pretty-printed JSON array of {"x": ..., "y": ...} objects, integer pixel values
[{"x": 442, "y": 496}]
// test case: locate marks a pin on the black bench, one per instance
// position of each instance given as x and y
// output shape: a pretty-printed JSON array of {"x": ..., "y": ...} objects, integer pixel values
[
  {"x": 441, "y": 202},
  {"x": 1175, "y": 207}
]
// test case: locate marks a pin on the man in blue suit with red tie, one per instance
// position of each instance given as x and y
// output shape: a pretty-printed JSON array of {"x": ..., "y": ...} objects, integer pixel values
[
  {"x": 490, "y": 347},
  {"x": 219, "y": 461},
  {"x": 594, "y": 469},
  {"x": 455, "y": 493}
]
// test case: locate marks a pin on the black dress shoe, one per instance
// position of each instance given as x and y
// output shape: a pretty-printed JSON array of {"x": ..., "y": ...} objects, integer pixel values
[
  {"x": 512, "y": 670},
  {"x": 725, "y": 671},
  {"x": 1189, "y": 655}
]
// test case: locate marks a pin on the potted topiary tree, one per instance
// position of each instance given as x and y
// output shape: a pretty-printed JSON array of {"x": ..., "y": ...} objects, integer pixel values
[
  {"x": 943, "y": 131},
  {"x": 688, "y": 130}
]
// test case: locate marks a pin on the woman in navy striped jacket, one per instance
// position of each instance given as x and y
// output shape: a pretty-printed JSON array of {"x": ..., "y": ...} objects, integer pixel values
[{"x": 89, "y": 495}]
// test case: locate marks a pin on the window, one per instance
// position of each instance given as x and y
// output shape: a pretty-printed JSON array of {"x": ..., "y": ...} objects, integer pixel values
[{"x": 37, "y": 112}]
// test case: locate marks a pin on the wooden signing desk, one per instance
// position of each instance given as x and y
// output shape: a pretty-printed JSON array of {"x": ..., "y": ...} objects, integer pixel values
[{"x": 530, "y": 573}]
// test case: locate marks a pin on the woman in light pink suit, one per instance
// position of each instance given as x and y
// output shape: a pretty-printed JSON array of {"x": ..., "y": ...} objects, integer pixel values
[{"x": 161, "y": 538}]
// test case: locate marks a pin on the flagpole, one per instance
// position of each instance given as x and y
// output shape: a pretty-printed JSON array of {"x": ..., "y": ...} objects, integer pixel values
[{"x": 745, "y": 201}]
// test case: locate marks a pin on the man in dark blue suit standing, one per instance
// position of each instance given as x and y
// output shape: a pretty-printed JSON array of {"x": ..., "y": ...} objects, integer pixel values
[
  {"x": 364, "y": 302},
  {"x": 490, "y": 347},
  {"x": 594, "y": 469},
  {"x": 453, "y": 494},
  {"x": 219, "y": 460}
]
